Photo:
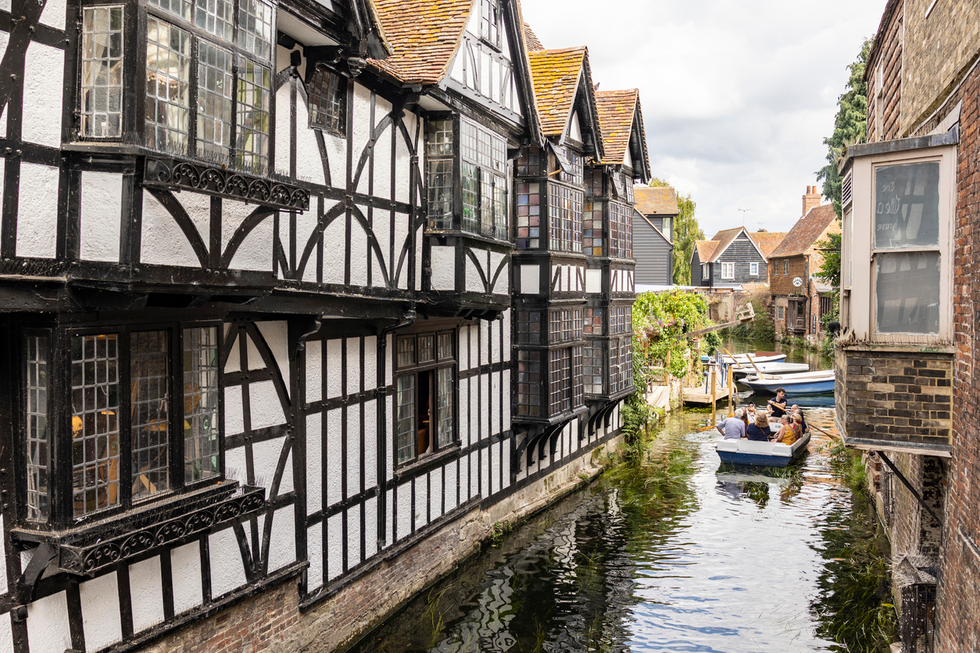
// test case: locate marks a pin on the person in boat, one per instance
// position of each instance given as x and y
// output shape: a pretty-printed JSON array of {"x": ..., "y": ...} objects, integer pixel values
[
  {"x": 758, "y": 430},
  {"x": 750, "y": 412},
  {"x": 777, "y": 405},
  {"x": 797, "y": 423},
  {"x": 796, "y": 410},
  {"x": 733, "y": 428},
  {"x": 786, "y": 433}
]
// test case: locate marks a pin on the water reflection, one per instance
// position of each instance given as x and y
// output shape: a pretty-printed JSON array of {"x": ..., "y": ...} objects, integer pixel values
[{"x": 672, "y": 553}]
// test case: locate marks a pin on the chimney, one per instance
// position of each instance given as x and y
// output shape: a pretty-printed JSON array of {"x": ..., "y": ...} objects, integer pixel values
[{"x": 811, "y": 199}]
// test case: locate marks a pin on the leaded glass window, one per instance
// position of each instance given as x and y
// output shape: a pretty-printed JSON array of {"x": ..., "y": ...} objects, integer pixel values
[
  {"x": 201, "y": 417},
  {"x": 168, "y": 69},
  {"x": 36, "y": 427},
  {"x": 254, "y": 97},
  {"x": 425, "y": 390},
  {"x": 328, "y": 101},
  {"x": 565, "y": 216},
  {"x": 102, "y": 69},
  {"x": 150, "y": 412},
  {"x": 214, "y": 102}
]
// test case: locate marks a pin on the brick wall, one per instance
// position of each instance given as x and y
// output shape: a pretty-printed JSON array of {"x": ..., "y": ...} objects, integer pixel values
[
  {"x": 939, "y": 48},
  {"x": 958, "y": 598},
  {"x": 885, "y": 99},
  {"x": 895, "y": 397},
  {"x": 781, "y": 284}
]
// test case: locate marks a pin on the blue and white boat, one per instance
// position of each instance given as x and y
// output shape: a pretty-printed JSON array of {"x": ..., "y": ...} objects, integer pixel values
[
  {"x": 743, "y": 359},
  {"x": 765, "y": 454},
  {"x": 806, "y": 383},
  {"x": 769, "y": 368}
]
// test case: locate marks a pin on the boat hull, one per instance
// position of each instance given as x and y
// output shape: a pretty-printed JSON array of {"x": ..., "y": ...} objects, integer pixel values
[
  {"x": 761, "y": 454},
  {"x": 743, "y": 359},
  {"x": 794, "y": 384},
  {"x": 770, "y": 368}
]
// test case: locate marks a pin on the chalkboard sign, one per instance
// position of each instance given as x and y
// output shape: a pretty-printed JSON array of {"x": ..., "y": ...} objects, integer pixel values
[{"x": 907, "y": 205}]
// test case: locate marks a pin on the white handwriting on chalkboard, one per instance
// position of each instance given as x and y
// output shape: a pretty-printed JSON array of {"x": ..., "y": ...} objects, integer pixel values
[{"x": 890, "y": 208}]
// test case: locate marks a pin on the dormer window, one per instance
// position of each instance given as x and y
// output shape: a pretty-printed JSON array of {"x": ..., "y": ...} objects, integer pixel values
[
  {"x": 328, "y": 101},
  {"x": 490, "y": 22},
  {"x": 207, "y": 81}
]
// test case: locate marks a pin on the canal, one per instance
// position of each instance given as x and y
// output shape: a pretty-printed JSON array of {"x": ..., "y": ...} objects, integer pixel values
[{"x": 672, "y": 552}]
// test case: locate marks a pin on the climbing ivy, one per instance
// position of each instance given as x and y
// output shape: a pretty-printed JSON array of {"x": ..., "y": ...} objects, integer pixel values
[{"x": 659, "y": 322}]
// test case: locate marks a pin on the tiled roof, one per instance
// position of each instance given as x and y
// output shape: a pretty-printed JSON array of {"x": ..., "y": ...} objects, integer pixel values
[
  {"x": 656, "y": 200},
  {"x": 556, "y": 74},
  {"x": 616, "y": 112},
  {"x": 424, "y": 36},
  {"x": 807, "y": 231},
  {"x": 533, "y": 43},
  {"x": 705, "y": 249},
  {"x": 725, "y": 238},
  {"x": 767, "y": 240}
]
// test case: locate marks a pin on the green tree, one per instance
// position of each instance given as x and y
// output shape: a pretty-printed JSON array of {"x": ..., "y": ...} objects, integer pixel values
[
  {"x": 686, "y": 231},
  {"x": 829, "y": 272},
  {"x": 850, "y": 126}
]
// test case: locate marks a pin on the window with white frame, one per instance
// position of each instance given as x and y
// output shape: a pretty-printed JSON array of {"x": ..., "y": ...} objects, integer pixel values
[
  {"x": 785, "y": 267},
  {"x": 207, "y": 83},
  {"x": 780, "y": 313},
  {"x": 490, "y": 22},
  {"x": 705, "y": 270},
  {"x": 753, "y": 269},
  {"x": 728, "y": 270},
  {"x": 425, "y": 391}
]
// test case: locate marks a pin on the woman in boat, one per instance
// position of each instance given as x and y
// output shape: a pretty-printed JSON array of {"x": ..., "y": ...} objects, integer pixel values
[
  {"x": 786, "y": 433},
  {"x": 759, "y": 429},
  {"x": 796, "y": 410}
]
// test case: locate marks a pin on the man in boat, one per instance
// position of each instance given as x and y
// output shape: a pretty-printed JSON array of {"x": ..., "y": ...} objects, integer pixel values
[
  {"x": 733, "y": 428},
  {"x": 777, "y": 405}
]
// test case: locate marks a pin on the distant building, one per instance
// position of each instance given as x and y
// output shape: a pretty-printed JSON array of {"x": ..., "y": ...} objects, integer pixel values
[
  {"x": 731, "y": 258},
  {"x": 800, "y": 300},
  {"x": 653, "y": 235}
]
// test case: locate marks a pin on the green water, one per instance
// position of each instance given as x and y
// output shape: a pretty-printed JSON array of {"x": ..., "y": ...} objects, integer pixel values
[{"x": 672, "y": 553}]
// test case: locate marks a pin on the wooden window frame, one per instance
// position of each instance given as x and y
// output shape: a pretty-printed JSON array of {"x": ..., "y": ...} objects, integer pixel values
[
  {"x": 428, "y": 369},
  {"x": 728, "y": 270}
]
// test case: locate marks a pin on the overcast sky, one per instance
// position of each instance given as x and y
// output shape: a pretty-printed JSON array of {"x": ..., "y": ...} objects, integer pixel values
[{"x": 737, "y": 95}]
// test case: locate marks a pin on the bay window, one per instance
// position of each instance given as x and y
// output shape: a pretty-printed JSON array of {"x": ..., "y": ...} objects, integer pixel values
[
  {"x": 425, "y": 390},
  {"x": 207, "y": 79}
]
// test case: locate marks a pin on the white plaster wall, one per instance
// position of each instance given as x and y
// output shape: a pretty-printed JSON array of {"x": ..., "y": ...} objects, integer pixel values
[
  {"x": 389, "y": 451},
  {"x": 370, "y": 444},
  {"x": 334, "y": 243},
  {"x": 53, "y": 14},
  {"x": 443, "y": 268},
  {"x": 276, "y": 335},
  {"x": 464, "y": 480},
  {"x": 473, "y": 281},
  {"x": 500, "y": 287},
  {"x": 435, "y": 493},
  {"x": 463, "y": 338},
  {"x": 485, "y": 472},
  {"x": 314, "y": 463},
  {"x": 265, "y": 458},
  {"x": 265, "y": 407},
  {"x": 47, "y": 624},
  {"x": 185, "y": 565},
  {"x": 146, "y": 590},
  {"x": 314, "y": 373},
  {"x": 593, "y": 280},
  {"x": 255, "y": 252},
  {"x": 370, "y": 380},
  {"x": 451, "y": 480},
  {"x": 283, "y": 120},
  {"x": 484, "y": 342},
  {"x": 505, "y": 405},
  {"x": 418, "y": 258},
  {"x": 463, "y": 410},
  {"x": 353, "y": 536},
  {"x": 495, "y": 328},
  {"x": 227, "y": 570},
  {"x": 389, "y": 518},
  {"x": 357, "y": 256},
  {"x": 474, "y": 410},
  {"x": 37, "y": 210},
  {"x": 353, "y": 365},
  {"x": 336, "y": 148},
  {"x": 43, "y": 82},
  {"x": 495, "y": 468},
  {"x": 370, "y": 527},
  {"x": 335, "y": 546},
  {"x": 574, "y": 128},
  {"x": 335, "y": 467},
  {"x": 402, "y": 222},
  {"x": 6, "y": 634},
  {"x": 234, "y": 420},
  {"x": 233, "y": 364},
  {"x": 421, "y": 501},
  {"x": 100, "y": 611},
  {"x": 100, "y": 216},
  {"x": 495, "y": 412},
  {"x": 506, "y": 317},
  {"x": 309, "y": 164},
  {"x": 403, "y": 173},
  {"x": 505, "y": 461},
  {"x": 382, "y": 153},
  {"x": 334, "y": 366},
  {"x": 163, "y": 243},
  {"x": 314, "y": 546},
  {"x": 353, "y": 450},
  {"x": 474, "y": 474},
  {"x": 382, "y": 233},
  {"x": 530, "y": 279},
  {"x": 235, "y": 465},
  {"x": 404, "y": 510},
  {"x": 255, "y": 360},
  {"x": 282, "y": 540},
  {"x": 361, "y": 122}
]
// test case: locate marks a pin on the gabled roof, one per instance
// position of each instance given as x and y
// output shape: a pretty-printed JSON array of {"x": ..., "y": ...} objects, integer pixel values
[
  {"x": 423, "y": 35},
  {"x": 656, "y": 200},
  {"x": 638, "y": 215},
  {"x": 619, "y": 116},
  {"x": 533, "y": 43},
  {"x": 559, "y": 76},
  {"x": 807, "y": 231},
  {"x": 705, "y": 249},
  {"x": 767, "y": 241},
  {"x": 726, "y": 237}
]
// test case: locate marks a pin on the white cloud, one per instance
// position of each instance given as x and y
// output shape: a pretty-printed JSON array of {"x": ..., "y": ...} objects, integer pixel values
[{"x": 737, "y": 96}]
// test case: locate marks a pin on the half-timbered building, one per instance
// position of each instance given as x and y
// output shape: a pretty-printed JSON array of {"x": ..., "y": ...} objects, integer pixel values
[{"x": 298, "y": 233}]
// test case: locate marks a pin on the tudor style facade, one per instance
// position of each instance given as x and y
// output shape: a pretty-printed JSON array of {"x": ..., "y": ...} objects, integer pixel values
[{"x": 293, "y": 231}]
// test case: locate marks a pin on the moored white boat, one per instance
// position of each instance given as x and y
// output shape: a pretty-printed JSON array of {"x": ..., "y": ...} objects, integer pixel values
[
  {"x": 743, "y": 359},
  {"x": 769, "y": 368},
  {"x": 800, "y": 384}
]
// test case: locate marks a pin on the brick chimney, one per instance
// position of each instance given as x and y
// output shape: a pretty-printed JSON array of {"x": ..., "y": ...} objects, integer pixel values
[{"x": 811, "y": 199}]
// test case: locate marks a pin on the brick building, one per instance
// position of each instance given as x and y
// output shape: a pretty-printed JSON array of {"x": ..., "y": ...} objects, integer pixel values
[
  {"x": 906, "y": 359},
  {"x": 799, "y": 299}
]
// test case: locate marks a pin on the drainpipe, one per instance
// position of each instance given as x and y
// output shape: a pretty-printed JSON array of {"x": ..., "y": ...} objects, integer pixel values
[{"x": 407, "y": 319}]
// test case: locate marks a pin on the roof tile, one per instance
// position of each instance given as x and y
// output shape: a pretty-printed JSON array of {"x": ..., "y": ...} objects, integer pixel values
[
  {"x": 706, "y": 249},
  {"x": 532, "y": 40},
  {"x": 767, "y": 241},
  {"x": 806, "y": 232},
  {"x": 616, "y": 112},
  {"x": 656, "y": 200},
  {"x": 556, "y": 74}
]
